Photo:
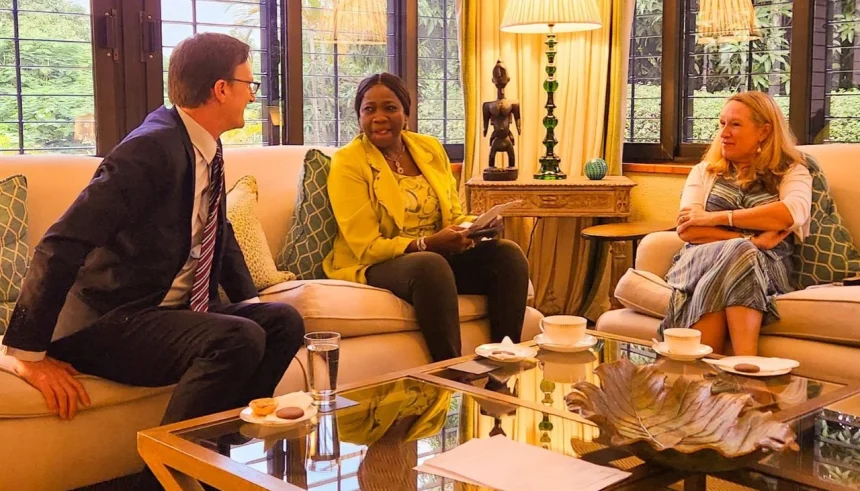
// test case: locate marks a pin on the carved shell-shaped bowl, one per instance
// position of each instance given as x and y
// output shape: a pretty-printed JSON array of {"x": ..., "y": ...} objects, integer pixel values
[{"x": 684, "y": 425}]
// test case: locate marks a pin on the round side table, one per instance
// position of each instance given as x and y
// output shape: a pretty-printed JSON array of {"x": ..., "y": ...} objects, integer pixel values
[{"x": 617, "y": 234}]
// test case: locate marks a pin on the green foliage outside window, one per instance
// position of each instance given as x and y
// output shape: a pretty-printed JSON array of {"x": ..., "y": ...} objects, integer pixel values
[{"x": 63, "y": 113}]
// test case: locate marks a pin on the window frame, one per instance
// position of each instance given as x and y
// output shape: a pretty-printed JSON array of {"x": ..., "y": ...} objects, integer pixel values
[{"x": 804, "y": 83}]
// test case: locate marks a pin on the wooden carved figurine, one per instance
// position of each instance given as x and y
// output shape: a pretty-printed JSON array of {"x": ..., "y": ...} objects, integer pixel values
[{"x": 501, "y": 113}]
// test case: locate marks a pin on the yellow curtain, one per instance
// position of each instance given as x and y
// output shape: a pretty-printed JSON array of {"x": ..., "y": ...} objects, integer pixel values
[{"x": 568, "y": 272}]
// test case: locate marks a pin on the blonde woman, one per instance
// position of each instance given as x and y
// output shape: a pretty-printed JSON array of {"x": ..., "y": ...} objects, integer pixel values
[{"x": 742, "y": 209}]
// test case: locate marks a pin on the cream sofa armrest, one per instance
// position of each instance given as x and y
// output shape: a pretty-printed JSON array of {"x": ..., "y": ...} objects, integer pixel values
[{"x": 656, "y": 251}]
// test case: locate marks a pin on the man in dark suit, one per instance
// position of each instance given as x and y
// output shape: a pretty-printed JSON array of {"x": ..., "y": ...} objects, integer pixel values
[{"x": 125, "y": 284}]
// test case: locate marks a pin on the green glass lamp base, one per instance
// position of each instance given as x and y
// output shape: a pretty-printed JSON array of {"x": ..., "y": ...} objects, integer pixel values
[
  {"x": 550, "y": 168},
  {"x": 551, "y": 175}
]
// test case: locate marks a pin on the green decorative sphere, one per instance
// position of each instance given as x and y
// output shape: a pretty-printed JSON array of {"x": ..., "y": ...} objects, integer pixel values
[{"x": 595, "y": 169}]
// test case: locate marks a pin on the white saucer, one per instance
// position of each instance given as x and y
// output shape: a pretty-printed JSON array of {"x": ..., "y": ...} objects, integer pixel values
[
  {"x": 662, "y": 348},
  {"x": 248, "y": 416},
  {"x": 517, "y": 352},
  {"x": 294, "y": 399},
  {"x": 583, "y": 344},
  {"x": 769, "y": 366}
]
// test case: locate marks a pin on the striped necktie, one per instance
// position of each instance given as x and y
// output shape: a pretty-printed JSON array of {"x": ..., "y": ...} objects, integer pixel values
[{"x": 200, "y": 288}]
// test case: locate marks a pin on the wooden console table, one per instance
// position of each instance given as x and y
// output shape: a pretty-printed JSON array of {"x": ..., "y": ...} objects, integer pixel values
[{"x": 574, "y": 197}]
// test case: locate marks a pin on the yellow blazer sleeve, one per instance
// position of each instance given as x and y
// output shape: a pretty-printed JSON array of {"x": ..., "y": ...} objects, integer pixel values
[
  {"x": 457, "y": 216},
  {"x": 349, "y": 193}
]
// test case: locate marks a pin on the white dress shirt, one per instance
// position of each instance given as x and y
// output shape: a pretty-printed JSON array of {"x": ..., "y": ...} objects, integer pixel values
[{"x": 204, "y": 151}]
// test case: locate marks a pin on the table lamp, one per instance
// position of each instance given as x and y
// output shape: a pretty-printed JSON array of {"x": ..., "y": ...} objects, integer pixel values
[{"x": 550, "y": 17}]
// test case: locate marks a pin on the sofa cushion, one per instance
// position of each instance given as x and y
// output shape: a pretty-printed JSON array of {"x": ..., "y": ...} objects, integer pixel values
[
  {"x": 828, "y": 254},
  {"x": 825, "y": 314},
  {"x": 14, "y": 252},
  {"x": 628, "y": 323},
  {"x": 18, "y": 399},
  {"x": 644, "y": 292},
  {"x": 242, "y": 213},
  {"x": 354, "y": 309},
  {"x": 313, "y": 227}
]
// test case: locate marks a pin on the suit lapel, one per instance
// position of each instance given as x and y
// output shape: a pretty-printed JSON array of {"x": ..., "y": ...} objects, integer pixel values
[
  {"x": 190, "y": 156},
  {"x": 385, "y": 185},
  {"x": 190, "y": 183}
]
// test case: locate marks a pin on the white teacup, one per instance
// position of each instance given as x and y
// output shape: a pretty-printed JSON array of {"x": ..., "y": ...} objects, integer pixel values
[
  {"x": 682, "y": 341},
  {"x": 563, "y": 329}
]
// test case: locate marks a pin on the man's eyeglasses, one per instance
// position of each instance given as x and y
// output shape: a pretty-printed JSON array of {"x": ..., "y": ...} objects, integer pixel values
[{"x": 252, "y": 84}]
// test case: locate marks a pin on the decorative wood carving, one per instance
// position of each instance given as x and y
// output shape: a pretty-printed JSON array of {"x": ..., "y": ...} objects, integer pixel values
[{"x": 609, "y": 197}]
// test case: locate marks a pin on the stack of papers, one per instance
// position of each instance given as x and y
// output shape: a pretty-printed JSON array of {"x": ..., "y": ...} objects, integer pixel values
[{"x": 507, "y": 465}]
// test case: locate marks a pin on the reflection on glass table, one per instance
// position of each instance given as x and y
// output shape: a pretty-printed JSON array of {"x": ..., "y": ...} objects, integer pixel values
[
  {"x": 551, "y": 376},
  {"x": 829, "y": 447},
  {"x": 395, "y": 426}
]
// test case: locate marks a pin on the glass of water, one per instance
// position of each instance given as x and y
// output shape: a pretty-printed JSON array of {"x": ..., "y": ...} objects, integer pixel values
[{"x": 323, "y": 356}]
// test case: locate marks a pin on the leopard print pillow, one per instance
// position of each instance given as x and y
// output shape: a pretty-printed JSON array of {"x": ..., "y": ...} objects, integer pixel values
[{"x": 242, "y": 213}]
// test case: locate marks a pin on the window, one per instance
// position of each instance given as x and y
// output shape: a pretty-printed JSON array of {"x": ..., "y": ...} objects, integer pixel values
[
  {"x": 842, "y": 68},
  {"x": 716, "y": 71},
  {"x": 441, "y": 111},
  {"x": 66, "y": 64},
  {"x": 692, "y": 80},
  {"x": 248, "y": 20},
  {"x": 642, "y": 124},
  {"x": 334, "y": 66},
  {"x": 46, "y": 77}
]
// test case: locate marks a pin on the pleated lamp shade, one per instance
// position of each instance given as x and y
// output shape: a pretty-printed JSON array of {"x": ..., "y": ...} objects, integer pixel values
[
  {"x": 724, "y": 21},
  {"x": 355, "y": 22},
  {"x": 543, "y": 16}
]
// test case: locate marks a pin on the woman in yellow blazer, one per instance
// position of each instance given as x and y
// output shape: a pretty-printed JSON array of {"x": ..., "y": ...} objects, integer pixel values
[{"x": 398, "y": 215}]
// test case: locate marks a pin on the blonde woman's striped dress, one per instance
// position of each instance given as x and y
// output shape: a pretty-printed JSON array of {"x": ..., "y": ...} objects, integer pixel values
[{"x": 707, "y": 278}]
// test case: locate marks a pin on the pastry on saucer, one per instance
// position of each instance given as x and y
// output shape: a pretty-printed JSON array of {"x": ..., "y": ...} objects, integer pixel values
[{"x": 263, "y": 407}]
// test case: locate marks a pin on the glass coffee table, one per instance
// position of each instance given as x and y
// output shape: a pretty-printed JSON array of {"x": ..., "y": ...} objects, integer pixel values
[{"x": 400, "y": 420}]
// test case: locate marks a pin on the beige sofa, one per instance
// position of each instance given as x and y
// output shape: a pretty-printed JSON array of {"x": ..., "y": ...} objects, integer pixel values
[
  {"x": 818, "y": 326},
  {"x": 40, "y": 452}
]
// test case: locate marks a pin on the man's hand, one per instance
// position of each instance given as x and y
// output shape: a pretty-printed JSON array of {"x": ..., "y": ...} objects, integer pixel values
[
  {"x": 769, "y": 239},
  {"x": 55, "y": 381}
]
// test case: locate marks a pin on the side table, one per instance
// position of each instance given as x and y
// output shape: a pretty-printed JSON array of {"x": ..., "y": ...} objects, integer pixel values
[{"x": 617, "y": 234}]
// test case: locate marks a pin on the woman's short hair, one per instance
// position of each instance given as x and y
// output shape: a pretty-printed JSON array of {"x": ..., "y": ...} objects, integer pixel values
[
  {"x": 198, "y": 62},
  {"x": 393, "y": 82},
  {"x": 778, "y": 150}
]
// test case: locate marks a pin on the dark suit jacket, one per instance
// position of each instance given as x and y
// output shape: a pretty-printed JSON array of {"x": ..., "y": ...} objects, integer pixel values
[{"x": 120, "y": 245}]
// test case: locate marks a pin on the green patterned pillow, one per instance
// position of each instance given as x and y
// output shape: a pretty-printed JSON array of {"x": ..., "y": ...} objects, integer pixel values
[
  {"x": 313, "y": 228},
  {"x": 14, "y": 252},
  {"x": 828, "y": 254}
]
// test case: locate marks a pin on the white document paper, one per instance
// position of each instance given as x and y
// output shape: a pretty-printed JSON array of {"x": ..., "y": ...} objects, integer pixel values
[
  {"x": 488, "y": 216},
  {"x": 507, "y": 465}
]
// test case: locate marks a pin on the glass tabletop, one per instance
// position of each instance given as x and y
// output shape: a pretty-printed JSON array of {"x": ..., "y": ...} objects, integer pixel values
[
  {"x": 376, "y": 443},
  {"x": 548, "y": 378},
  {"x": 829, "y": 441}
]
